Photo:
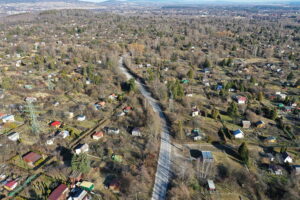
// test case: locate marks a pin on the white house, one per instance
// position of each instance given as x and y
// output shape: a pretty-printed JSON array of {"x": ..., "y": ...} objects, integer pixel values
[
  {"x": 50, "y": 141},
  {"x": 64, "y": 134},
  {"x": 286, "y": 158},
  {"x": 81, "y": 148},
  {"x": 136, "y": 132},
  {"x": 241, "y": 99},
  {"x": 81, "y": 118},
  {"x": 195, "y": 113},
  {"x": 14, "y": 136},
  {"x": 8, "y": 118},
  {"x": 238, "y": 134}
]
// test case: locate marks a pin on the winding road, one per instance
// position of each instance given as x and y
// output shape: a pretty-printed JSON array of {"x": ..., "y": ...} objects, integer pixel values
[{"x": 162, "y": 175}]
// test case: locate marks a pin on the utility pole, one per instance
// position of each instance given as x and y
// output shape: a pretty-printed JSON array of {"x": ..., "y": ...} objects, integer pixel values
[
  {"x": 50, "y": 84},
  {"x": 30, "y": 109},
  {"x": 171, "y": 102}
]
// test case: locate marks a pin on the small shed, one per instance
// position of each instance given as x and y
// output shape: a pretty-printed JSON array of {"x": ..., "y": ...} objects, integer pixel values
[
  {"x": 246, "y": 124},
  {"x": 136, "y": 132},
  {"x": 207, "y": 156},
  {"x": 211, "y": 185},
  {"x": 238, "y": 134},
  {"x": 88, "y": 186}
]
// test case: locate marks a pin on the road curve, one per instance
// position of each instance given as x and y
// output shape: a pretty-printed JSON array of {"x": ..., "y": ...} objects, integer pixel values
[{"x": 162, "y": 175}]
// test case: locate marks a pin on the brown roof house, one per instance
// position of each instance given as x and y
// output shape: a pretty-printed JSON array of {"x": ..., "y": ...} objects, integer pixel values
[
  {"x": 32, "y": 158},
  {"x": 59, "y": 193}
]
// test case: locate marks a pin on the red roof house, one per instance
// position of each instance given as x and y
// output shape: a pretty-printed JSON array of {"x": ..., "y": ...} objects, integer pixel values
[
  {"x": 31, "y": 158},
  {"x": 98, "y": 135},
  {"x": 241, "y": 99},
  {"x": 55, "y": 124},
  {"x": 11, "y": 185},
  {"x": 60, "y": 193}
]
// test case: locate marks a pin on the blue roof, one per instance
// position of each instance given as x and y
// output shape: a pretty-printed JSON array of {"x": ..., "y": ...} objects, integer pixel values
[
  {"x": 207, "y": 155},
  {"x": 237, "y": 132}
]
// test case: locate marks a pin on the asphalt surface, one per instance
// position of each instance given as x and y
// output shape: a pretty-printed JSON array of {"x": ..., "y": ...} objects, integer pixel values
[{"x": 162, "y": 175}]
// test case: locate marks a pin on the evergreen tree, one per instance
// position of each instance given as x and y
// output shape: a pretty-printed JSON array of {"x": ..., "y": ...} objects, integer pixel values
[
  {"x": 190, "y": 74},
  {"x": 274, "y": 114},
  {"x": 215, "y": 113},
  {"x": 260, "y": 96},
  {"x": 244, "y": 153},
  {"x": 131, "y": 85},
  {"x": 207, "y": 63},
  {"x": 290, "y": 76},
  {"x": 233, "y": 110}
]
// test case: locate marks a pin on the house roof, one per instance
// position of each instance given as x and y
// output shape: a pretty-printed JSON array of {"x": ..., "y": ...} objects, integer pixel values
[
  {"x": 237, "y": 132},
  {"x": 55, "y": 123},
  {"x": 32, "y": 157},
  {"x": 98, "y": 134},
  {"x": 285, "y": 155},
  {"x": 56, "y": 194},
  {"x": 211, "y": 184},
  {"x": 241, "y": 98},
  {"x": 207, "y": 155},
  {"x": 11, "y": 184}
]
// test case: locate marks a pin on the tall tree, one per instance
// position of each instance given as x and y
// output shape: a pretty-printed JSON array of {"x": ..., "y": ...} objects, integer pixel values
[{"x": 244, "y": 153}]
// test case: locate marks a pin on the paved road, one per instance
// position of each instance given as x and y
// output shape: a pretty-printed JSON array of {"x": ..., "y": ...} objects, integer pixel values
[{"x": 164, "y": 160}]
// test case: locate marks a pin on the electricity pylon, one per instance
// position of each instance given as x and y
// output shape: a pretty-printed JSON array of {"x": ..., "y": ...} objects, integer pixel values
[{"x": 30, "y": 109}]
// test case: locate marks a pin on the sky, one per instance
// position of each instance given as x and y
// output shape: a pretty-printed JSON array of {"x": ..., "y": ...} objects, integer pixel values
[{"x": 258, "y": 1}]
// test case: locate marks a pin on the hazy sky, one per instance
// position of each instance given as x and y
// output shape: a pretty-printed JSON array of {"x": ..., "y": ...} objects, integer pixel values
[{"x": 202, "y": 1}]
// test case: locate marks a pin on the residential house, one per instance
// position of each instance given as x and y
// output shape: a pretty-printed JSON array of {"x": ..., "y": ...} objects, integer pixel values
[
  {"x": 78, "y": 194},
  {"x": 270, "y": 139},
  {"x": 30, "y": 99},
  {"x": 296, "y": 169},
  {"x": 211, "y": 185},
  {"x": 197, "y": 134},
  {"x": 281, "y": 96},
  {"x": 11, "y": 185},
  {"x": 246, "y": 124},
  {"x": 238, "y": 134},
  {"x": 120, "y": 114},
  {"x": 136, "y": 132},
  {"x": 81, "y": 118},
  {"x": 99, "y": 105},
  {"x": 112, "y": 97},
  {"x": 81, "y": 148},
  {"x": 8, "y": 118},
  {"x": 219, "y": 87},
  {"x": 50, "y": 141},
  {"x": 59, "y": 193},
  {"x": 260, "y": 124},
  {"x": 112, "y": 130},
  {"x": 88, "y": 186},
  {"x": 14, "y": 136},
  {"x": 241, "y": 99},
  {"x": 64, "y": 134},
  {"x": 75, "y": 176},
  {"x": 127, "y": 109},
  {"x": 286, "y": 158},
  {"x": 275, "y": 169},
  {"x": 114, "y": 185},
  {"x": 207, "y": 156},
  {"x": 55, "y": 124},
  {"x": 32, "y": 158},
  {"x": 98, "y": 135}
]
